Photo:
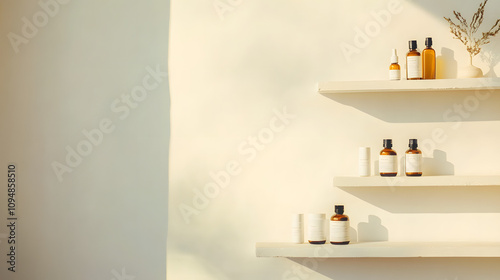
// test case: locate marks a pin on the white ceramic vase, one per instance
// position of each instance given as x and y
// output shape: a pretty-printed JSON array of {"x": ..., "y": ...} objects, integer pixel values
[{"x": 470, "y": 71}]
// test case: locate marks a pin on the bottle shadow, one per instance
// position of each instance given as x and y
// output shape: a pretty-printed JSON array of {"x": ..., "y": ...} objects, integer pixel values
[
  {"x": 373, "y": 230},
  {"x": 446, "y": 64},
  {"x": 437, "y": 165}
]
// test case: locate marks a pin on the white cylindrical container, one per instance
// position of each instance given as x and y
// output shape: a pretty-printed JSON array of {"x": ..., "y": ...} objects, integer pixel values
[
  {"x": 298, "y": 228},
  {"x": 364, "y": 162},
  {"x": 316, "y": 228}
]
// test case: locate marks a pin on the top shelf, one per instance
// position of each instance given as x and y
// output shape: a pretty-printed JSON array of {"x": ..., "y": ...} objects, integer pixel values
[{"x": 440, "y": 85}]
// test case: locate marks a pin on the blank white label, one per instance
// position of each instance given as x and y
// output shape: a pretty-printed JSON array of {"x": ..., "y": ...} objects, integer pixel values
[
  {"x": 339, "y": 231},
  {"x": 388, "y": 163},
  {"x": 394, "y": 75},
  {"x": 413, "y": 162},
  {"x": 414, "y": 67}
]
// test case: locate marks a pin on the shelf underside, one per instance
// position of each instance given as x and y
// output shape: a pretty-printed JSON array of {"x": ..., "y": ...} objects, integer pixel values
[{"x": 381, "y": 250}]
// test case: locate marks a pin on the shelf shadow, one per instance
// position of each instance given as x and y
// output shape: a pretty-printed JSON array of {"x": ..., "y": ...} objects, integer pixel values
[
  {"x": 396, "y": 268},
  {"x": 442, "y": 199},
  {"x": 427, "y": 107}
]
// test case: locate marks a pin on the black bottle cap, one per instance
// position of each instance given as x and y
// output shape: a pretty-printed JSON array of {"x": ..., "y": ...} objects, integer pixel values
[
  {"x": 412, "y": 44},
  {"x": 413, "y": 144},
  {"x": 428, "y": 42},
  {"x": 339, "y": 209},
  {"x": 388, "y": 143}
]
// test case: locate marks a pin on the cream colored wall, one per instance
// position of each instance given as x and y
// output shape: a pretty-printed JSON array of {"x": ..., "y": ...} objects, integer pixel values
[{"x": 247, "y": 70}]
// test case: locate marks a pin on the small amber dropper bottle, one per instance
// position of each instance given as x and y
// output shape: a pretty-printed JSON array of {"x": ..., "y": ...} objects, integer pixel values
[{"x": 394, "y": 68}]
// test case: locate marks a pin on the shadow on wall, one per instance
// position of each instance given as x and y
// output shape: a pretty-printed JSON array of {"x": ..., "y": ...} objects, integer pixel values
[
  {"x": 425, "y": 107},
  {"x": 491, "y": 57},
  {"x": 373, "y": 230},
  {"x": 396, "y": 268},
  {"x": 445, "y": 199},
  {"x": 446, "y": 65}
]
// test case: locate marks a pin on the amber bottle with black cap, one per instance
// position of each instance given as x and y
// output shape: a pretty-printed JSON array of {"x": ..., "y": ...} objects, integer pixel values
[
  {"x": 428, "y": 60},
  {"x": 413, "y": 62},
  {"x": 388, "y": 160},
  {"x": 413, "y": 159},
  {"x": 339, "y": 227}
]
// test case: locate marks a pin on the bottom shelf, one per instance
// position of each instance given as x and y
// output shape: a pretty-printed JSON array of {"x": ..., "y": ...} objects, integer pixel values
[{"x": 380, "y": 250}]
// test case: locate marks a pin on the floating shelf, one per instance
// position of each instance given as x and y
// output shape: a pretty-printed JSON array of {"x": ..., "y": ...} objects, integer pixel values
[
  {"x": 424, "y": 181},
  {"x": 442, "y": 85},
  {"x": 381, "y": 250}
]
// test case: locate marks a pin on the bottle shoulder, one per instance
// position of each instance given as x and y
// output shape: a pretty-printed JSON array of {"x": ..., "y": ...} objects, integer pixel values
[
  {"x": 387, "y": 151},
  {"x": 413, "y": 53},
  {"x": 394, "y": 66},
  {"x": 339, "y": 217},
  {"x": 413, "y": 151},
  {"x": 428, "y": 51}
]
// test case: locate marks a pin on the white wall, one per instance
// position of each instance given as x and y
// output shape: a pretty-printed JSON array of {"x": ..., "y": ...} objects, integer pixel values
[
  {"x": 232, "y": 71},
  {"x": 102, "y": 215}
]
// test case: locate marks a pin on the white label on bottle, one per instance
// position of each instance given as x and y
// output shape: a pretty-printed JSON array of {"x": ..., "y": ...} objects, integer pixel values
[
  {"x": 414, "y": 67},
  {"x": 394, "y": 75},
  {"x": 388, "y": 164},
  {"x": 316, "y": 227},
  {"x": 413, "y": 162},
  {"x": 339, "y": 231}
]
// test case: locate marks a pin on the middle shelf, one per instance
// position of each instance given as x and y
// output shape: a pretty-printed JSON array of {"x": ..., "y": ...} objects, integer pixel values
[{"x": 424, "y": 181}]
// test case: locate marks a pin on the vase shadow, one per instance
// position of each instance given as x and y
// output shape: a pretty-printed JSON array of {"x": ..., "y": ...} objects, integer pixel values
[{"x": 491, "y": 58}]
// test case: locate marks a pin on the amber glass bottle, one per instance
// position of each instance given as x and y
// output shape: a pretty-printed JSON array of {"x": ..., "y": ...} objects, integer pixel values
[
  {"x": 388, "y": 160},
  {"x": 339, "y": 227},
  {"x": 413, "y": 62},
  {"x": 428, "y": 60},
  {"x": 413, "y": 159}
]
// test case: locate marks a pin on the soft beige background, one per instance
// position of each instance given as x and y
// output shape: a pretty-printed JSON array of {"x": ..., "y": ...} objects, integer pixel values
[
  {"x": 107, "y": 219},
  {"x": 231, "y": 71}
]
